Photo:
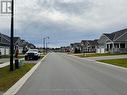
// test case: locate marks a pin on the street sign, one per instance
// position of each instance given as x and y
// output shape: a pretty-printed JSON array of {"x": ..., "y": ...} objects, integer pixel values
[{"x": 5, "y": 7}]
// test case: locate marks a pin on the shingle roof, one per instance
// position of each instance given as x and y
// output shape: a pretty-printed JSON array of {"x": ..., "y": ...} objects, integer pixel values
[
  {"x": 22, "y": 42},
  {"x": 15, "y": 39},
  {"x": 118, "y": 36},
  {"x": 5, "y": 36},
  {"x": 91, "y": 42}
]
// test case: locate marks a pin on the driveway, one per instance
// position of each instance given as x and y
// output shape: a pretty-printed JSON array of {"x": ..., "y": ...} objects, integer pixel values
[{"x": 4, "y": 60}]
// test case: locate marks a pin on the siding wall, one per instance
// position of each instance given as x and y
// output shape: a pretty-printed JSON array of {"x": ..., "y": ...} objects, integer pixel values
[{"x": 6, "y": 50}]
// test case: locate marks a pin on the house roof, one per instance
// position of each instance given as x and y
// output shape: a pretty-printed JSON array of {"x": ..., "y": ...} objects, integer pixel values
[
  {"x": 5, "y": 37},
  {"x": 5, "y": 40},
  {"x": 16, "y": 38},
  {"x": 91, "y": 42},
  {"x": 22, "y": 43},
  {"x": 75, "y": 44},
  {"x": 118, "y": 36}
]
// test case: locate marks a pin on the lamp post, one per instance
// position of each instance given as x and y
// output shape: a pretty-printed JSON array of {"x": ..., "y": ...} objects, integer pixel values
[
  {"x": 45, "y": 44},
  {"x": 12, "y": 36}
]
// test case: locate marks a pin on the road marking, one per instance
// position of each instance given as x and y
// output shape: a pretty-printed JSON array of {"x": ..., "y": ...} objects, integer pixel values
[{"x": 17, "y": 86}]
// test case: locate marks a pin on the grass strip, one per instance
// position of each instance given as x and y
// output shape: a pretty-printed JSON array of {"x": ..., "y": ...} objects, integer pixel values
[
  {"x": 96, "y": 54},
  {"x": 8, "y": 79},
  {"x": 117, "y": 62}
]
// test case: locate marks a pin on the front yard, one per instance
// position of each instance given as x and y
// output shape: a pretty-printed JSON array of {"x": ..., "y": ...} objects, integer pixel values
[
  {"x": 8, "y": 79},
  {"x": 117, "y": 62}
]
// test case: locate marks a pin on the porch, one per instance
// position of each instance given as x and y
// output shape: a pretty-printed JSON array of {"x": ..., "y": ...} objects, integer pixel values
[{"x": 117, "y": 47}]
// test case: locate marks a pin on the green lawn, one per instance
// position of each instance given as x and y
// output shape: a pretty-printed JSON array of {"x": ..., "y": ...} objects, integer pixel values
[
  {"x": 117, "y": 62},
  {"x": 95, "y": 54},
  {"x": 8, "y": 79}
]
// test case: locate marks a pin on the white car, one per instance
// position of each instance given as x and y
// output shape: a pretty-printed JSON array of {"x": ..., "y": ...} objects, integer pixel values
[{"x": 32, "y": 54}]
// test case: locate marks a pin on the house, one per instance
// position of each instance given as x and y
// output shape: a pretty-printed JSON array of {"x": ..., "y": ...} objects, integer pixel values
[
  {"x": 17, "y": 40},
  {"x": 30, "y": 45},
  {"x": 89, "y": 46},
  {"x": 75, "y": 47},
  {"x": 4, "y": 44},
  {"x": 65, "y": 49},
  {"x": 115, "y": 42}
]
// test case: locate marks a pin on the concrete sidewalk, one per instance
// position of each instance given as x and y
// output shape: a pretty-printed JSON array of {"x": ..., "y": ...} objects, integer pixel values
[{"x": 108, "y": 57}]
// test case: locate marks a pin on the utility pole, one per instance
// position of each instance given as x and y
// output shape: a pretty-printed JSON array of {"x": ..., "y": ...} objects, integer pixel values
[
  {"x": 12, "y": 36},
  {"x": 44, "y": 45},
  {"x": 47, "y": 47}
]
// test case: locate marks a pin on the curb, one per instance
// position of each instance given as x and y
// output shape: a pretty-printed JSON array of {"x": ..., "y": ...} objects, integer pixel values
[
  {"x": 117, "y": 67},
  {"x": 16, "y": 87}
]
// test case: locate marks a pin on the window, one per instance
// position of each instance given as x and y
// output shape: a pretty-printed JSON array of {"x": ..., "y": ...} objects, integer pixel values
[
  {"x": 122, "y": 45},
  {"x": 0, "y": 39}
]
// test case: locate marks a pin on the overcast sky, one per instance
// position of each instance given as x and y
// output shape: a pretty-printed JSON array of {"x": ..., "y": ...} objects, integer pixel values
[{"x": 65, "y": 21}]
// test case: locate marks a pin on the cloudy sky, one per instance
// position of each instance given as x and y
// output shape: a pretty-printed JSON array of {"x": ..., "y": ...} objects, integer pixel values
[{"x": 65, "y": 21}]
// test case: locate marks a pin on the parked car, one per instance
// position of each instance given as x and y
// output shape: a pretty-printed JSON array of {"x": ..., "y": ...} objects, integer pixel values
[{"x": 32, "y": 54}]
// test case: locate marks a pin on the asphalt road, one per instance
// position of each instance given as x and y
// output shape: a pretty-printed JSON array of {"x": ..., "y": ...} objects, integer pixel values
[{"x": 61, "y": 74}]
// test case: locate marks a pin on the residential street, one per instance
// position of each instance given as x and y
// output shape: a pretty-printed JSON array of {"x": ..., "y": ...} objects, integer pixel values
[{"x": 61, "y": 74}]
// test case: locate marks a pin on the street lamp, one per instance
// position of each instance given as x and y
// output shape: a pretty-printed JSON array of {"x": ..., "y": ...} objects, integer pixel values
[
  {"x": 45, "y": 44},
  {"x": 12, "y": 37}
]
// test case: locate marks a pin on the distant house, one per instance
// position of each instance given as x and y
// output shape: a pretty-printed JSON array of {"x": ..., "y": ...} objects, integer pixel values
[
  {"x": 89, "y": 46},
  {"x": 75, "y": 47},
  {"x": 115, "y": 42},
  {"x": 30, "y": 45},
  {"x": 18, "y": 41},
  {"x": 65, "y": 49}
]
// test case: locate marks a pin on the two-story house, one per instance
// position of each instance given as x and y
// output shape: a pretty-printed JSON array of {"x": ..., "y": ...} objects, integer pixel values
[{"x": 89, "y": 46}]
